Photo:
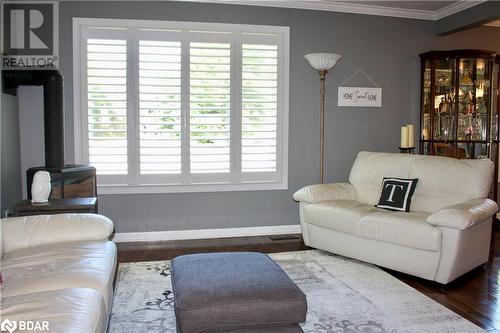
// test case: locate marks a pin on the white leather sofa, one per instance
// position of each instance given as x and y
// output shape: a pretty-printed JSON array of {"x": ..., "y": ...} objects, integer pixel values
[
  {"x": 445, "y": 234},
  {"x": 58, "y": 268}
]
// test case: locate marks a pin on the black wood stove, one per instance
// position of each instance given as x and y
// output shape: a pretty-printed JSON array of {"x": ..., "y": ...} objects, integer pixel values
[{"x": 68, "y": 181}]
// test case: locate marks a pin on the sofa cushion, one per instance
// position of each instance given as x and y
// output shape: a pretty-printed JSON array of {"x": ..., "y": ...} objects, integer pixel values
[
  {"x": 447, "y": 181},
  {"x": 351, "y": 217},
  {"x": 408, "y": 229},
  {"x": 35, "y": 230},
  {"x": 443, "y": 181},
  {"x": 59, "y": 266},
  {"x": 369, "y": 169},
  {"x": 341, "y": 215},
  {"x": 67, "y": 310}
]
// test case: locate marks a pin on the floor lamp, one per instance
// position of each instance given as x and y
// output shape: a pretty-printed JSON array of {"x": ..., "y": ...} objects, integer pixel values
[{"x": 323, "y": 63}]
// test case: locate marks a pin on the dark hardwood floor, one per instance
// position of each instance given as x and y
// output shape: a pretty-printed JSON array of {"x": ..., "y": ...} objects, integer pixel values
[
  {"x": 148, "y": 251},
  {"x": 475, "y": 296}
]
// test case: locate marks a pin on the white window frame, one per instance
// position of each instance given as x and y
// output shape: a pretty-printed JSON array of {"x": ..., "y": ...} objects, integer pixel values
[{"x": 279, "y": 181}]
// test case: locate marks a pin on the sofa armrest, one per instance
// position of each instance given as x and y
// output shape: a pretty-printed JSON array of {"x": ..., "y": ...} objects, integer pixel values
[
  {"x": 29, "y": 231},
  {"x": 325, "y": 192},
  {"x": 464, "y": 215}
]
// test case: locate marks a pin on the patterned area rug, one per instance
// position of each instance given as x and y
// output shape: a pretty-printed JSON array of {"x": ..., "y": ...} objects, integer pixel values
[{"x": 344, "y": 296}]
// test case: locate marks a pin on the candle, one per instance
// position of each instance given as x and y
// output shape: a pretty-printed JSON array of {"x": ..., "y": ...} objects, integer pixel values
[
  {"x": 404, "y": 137},
  {"x": 411, "y": 136}
]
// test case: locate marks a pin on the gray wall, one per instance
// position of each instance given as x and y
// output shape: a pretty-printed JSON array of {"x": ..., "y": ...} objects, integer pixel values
[
  {"x": 385, "y": 48},
  {"x": 32, "y": 143},
  {"x": 10, "y": 153}
]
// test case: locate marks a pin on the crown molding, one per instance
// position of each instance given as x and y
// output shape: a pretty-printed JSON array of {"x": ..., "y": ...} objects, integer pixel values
[
  {"x": 344, "y": 7},
  {"x": 331, "y": 6},
  {"x": 456, "y": 7}
]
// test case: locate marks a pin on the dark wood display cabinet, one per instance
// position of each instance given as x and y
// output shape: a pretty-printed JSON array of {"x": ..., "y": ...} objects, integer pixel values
[{"x": 459, "y": 98}]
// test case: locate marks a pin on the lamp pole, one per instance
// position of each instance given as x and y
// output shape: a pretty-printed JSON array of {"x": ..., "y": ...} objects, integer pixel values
[
  {"x": 322, "y": 77},
  {"x": 322, "y": 62}
]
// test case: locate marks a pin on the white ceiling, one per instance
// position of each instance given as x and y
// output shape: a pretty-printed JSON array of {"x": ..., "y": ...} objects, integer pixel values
[{"x": 424, "y": 10}]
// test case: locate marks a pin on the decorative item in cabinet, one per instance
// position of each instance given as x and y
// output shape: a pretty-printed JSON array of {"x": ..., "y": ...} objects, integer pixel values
[{"x": 459, "y": 104}]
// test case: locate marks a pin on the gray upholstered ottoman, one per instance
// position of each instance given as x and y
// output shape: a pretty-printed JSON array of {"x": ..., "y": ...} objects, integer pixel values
[{"x": 235, "y": 292}]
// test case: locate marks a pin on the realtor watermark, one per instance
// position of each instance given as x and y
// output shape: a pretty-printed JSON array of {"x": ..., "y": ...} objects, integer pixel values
[
  {"x": 24, "y": 325},
  {"x": 30, "y": 34}
]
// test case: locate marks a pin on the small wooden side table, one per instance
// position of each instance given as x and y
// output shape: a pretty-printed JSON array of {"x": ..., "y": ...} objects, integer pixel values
[{"x": 57, "y": 206}]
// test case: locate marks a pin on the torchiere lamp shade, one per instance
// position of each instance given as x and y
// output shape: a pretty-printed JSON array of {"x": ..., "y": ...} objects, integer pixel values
[{"x": 322, "y": 61}]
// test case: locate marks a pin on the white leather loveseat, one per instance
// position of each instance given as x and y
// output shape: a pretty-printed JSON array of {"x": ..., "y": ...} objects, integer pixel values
[
  {"x": 59, "y": 269},
  {"x": 445, "y": 234}
]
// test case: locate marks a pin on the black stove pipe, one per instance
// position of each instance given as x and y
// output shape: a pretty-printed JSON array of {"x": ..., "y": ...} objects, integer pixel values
[
  {"x": 53, "y": 107},
  {"x": 53, "y": 121}
]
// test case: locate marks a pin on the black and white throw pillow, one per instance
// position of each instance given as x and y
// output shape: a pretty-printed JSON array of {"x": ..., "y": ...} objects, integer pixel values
[{"x": 396, "y": 193}]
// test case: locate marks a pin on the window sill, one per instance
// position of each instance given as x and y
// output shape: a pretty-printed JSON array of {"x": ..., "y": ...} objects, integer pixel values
[{"x": 194, "y": 188}]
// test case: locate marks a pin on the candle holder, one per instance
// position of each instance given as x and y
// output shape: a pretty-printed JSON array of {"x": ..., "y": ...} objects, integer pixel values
[{"x": 406, "y": 150}]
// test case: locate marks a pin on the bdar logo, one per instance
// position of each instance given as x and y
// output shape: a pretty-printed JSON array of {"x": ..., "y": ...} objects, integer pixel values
[{"x": 8, "y": 326}]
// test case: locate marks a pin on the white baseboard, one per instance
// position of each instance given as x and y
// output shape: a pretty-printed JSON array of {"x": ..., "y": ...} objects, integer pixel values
[{"x": 150, "y": 236}]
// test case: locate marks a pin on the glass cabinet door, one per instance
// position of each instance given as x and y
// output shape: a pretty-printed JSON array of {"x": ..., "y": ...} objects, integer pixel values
[
  {"x": 474, "y": 98},
  {"x": 444, "y": 99},
  {"x": 495, "y": 100},
  {"x": 426, "y": 105},
  {"x": 472, "y": 150}
]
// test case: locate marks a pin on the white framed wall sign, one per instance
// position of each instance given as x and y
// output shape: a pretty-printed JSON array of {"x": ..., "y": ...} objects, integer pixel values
[{"x": 360, "y": 96}]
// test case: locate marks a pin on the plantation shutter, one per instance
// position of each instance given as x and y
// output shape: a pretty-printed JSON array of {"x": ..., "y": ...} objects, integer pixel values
[
  {"x": 160, "y": 107},
  {"x": 259, "y": 108},
  {"x": 107, "y": 105},
  {"x": 181, "y": 106},
  {"x": 210, "y": 107}
]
